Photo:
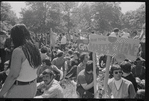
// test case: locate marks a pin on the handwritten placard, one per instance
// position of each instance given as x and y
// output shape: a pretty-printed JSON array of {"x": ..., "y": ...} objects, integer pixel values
[{"x": 120, "y": 48}]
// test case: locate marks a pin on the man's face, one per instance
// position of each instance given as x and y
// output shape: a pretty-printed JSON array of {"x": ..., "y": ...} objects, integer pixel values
[
  {"x": 117, "y": 74},
  {"x": 47, "y": 78}
]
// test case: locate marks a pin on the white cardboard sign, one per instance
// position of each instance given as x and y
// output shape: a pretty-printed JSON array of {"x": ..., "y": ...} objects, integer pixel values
[{"x": 120, "y": 48}]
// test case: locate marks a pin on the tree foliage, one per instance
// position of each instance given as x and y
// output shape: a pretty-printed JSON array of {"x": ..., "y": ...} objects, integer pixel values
[
  {"x": 7, "y": 17},
  {"x": 73, "y": 16},
  {"x": 133, "y": 20}
]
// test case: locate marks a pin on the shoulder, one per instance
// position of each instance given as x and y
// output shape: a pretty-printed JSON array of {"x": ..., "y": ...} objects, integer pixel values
[
  {"x": 81, "y": 73},
  {"x": 110, "y": 80},
  {"x": 126, "y": 81},
  {"x": 81, "y": 76},
  {"x": 55, "y": 86},
  {"x": 17, "y": 51}
]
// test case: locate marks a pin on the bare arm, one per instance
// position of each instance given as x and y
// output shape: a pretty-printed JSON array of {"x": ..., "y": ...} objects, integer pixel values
[
  {"x": 131, "y": 91},
  {"x": 87, "y": 86},
  {"x": 64, "y": 69},
  {"x": 14, "y": 70},
  {"x": 53, "y": 62},
  {"x": 58, "y": 70}
]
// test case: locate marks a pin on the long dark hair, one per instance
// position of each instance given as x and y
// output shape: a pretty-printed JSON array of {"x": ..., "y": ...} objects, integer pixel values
[{"x": 21, "y": 37}]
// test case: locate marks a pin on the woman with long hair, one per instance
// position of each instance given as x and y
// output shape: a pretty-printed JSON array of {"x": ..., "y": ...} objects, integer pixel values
[{"x": 25, "y": 60}]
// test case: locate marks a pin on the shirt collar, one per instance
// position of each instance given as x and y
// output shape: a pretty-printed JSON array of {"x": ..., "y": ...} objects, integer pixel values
[
  {"x": 50, "y": 84},
  {"x": 118, "y": 81}
]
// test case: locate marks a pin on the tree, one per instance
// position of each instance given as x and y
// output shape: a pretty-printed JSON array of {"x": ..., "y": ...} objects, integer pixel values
[
  {"x": 133, "y": 20},
  {"x": 107, "y": 16},
  {"x": 8, "y": 17},
  {"x": 99, "y": 16}
]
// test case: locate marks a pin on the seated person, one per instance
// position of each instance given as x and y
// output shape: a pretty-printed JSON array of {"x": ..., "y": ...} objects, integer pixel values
[
  {"x": 50, "y": 87},
  {"x": 3, "y": 74},
  {"x": 85, "y": 82},
  {"x": 46, "y": 64},
  {"x": 72, "y": 66},
  {"x": 44, "y": 53}
]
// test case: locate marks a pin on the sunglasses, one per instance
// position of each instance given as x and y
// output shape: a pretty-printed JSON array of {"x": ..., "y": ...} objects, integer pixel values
[{"x": 120, "y": 72}]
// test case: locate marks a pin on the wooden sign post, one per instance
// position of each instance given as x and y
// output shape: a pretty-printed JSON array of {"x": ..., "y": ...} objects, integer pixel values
[
  {"x": 94, "y": 75},
  {"x": 107, "y": 74}
]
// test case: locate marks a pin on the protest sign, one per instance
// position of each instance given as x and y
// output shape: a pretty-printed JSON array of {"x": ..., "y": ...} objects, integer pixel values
[
  {"x": 82, "y": 45},
  {"x": 120, "y": 48}
]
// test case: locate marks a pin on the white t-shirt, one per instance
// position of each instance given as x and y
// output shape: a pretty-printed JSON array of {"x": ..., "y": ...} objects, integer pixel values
[{"x": 63, "y": 40}]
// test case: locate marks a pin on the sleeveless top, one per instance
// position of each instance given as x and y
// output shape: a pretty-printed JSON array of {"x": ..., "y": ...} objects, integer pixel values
[{"x": 27, "y": 73}]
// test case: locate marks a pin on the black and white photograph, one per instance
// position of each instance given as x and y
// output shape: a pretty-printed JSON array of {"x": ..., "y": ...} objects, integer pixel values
[{"x": 72, "y": 49}]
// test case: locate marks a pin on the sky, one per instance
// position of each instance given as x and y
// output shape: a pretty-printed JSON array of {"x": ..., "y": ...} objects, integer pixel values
[{"x": 126, "y": 6}]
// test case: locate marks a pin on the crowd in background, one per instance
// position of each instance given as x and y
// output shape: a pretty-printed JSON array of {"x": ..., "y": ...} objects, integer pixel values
[{"x": 60, "y": 62}]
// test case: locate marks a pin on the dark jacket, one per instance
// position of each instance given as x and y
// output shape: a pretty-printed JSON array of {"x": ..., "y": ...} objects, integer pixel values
[{"x": 131, "y": 78}]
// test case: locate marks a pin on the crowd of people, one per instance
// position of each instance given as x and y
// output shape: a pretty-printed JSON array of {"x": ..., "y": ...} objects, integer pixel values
[{"x": 30, "y": 72}]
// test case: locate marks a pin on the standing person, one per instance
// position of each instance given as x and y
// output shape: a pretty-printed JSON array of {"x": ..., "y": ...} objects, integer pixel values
[
  {"x": 125, "y": 33},
  {"x": 84, "y": 57},
  {"x": 115, "y": 33},
  {"x": 2, "y": 51},
  {"x": 63, "y": 42},
  {"x": 25, "y": 60},
  {"x": 119, "y": 87},
  {"x": 142, "y": 49}
]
